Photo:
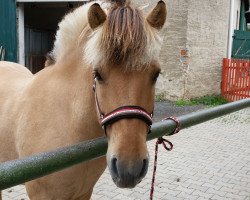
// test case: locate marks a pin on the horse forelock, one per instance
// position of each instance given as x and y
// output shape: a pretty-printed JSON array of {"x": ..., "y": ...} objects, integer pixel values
[
  {"x": 123, "y": 35},
  {"x": 123, "y": 40}
]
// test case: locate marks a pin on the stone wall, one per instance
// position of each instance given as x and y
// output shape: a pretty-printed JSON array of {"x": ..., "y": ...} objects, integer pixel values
[
  {"x": 202, "y": 28},
  {"x": 207, "y": 35}
]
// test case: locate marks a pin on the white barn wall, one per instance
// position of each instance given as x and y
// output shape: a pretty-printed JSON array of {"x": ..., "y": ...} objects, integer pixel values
[
  {"x": 207, "y": 35},
  {"x": 202, "y": 28},
  {"x": 171, "y": 82}
]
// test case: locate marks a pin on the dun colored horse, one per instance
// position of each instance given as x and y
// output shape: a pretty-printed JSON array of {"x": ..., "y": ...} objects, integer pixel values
[{"x": 111, "y": 46}]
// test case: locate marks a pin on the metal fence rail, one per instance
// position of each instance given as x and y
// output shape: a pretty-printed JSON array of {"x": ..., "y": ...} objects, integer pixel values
[{"x": 25, "y": 169}]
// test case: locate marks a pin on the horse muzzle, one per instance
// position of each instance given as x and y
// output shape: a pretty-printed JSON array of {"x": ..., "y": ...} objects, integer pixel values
[{"x": 128, "y": 175}]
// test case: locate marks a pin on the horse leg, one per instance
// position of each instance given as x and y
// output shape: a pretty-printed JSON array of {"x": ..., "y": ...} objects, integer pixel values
[{"x": 0, "y": 195}]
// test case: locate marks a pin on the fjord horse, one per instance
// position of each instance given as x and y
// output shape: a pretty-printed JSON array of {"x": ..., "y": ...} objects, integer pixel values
[{"x": 111, "y": 46}]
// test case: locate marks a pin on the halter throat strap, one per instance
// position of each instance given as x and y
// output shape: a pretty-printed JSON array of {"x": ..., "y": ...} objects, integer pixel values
[{"x": 124, "y": 112}]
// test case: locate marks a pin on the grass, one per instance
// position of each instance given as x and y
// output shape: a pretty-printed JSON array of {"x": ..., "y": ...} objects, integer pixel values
[
  {"x": 208, "y": 100},
  {"x": 159, "y": 98},
  {"x": 184, "y": 102}
]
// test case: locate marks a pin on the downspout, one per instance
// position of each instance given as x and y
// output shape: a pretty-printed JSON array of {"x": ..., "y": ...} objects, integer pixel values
[
  {"x": 21, "y": 34},
  {"x": 230, "y": 30}
]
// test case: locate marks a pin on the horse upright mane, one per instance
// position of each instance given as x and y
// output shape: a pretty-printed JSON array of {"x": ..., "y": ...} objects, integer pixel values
[
  {"x": 124, "y": 39},
  {"x": 119, "y": 2}
]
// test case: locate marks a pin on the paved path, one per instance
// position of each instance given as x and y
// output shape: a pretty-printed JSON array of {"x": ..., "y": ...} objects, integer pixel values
[{"x": 210, "y": 161}]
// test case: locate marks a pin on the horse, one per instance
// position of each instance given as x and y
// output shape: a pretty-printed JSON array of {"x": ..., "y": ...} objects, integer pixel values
[{"x": 100, "y": 82}]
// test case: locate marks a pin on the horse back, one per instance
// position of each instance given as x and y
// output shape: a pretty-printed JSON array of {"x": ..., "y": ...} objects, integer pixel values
[
  {"x": 13, "y": 69},
  {"x": 13, "y": 79}
]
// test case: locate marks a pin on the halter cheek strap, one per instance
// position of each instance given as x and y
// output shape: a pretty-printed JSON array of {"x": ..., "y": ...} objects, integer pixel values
[{"x": 124, "y": 112}]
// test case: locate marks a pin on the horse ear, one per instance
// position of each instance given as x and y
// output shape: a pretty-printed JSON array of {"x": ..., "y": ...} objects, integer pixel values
[
  {"x": 96, "y": 16},
  {"x": 157, "y": 16}
]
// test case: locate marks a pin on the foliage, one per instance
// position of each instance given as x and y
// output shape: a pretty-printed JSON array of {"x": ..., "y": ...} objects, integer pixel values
[
  {"x": 159, "y": 97},
  {"x": 208, "y": 100},
  {"x": 184, "y": 102}
]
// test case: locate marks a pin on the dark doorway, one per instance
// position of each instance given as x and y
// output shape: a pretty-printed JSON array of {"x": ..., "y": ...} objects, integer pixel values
[{"x": 41, "y": 22}]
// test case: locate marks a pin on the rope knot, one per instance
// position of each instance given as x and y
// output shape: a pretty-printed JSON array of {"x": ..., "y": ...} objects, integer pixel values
[
  {"x": 160, "y": 140},
  {"x": 166, "y": 143}
]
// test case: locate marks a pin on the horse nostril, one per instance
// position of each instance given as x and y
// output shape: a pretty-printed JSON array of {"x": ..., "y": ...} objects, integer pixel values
[
  {"x": 144, "y": 168},
  {"x": 114, "y": 166}
]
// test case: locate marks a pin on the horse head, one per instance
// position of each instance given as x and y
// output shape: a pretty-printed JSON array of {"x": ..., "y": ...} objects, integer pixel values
[{"x": 123, "y": 50}]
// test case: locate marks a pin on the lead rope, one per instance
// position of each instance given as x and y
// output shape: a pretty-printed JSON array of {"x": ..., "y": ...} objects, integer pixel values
[{"x": 164, "y": 143}]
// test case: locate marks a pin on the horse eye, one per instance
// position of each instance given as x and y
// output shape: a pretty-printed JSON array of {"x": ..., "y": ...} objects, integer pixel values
[
  {"x": 156, "y": 77},
  {"x": 97, "y": 76}
]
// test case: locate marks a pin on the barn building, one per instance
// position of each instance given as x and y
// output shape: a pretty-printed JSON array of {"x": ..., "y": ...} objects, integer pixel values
[
  {"x": 28, "y": 28},
  {"x": 197, "y": 36}
]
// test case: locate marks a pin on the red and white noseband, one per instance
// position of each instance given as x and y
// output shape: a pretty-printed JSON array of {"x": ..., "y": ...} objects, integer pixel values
[
  {"x": 127, "y": 112},
  {"x": 124, "y": 112}
]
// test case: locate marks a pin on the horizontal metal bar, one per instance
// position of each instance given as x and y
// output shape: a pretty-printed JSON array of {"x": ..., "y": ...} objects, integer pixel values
[
  {"x": 25, "y": 169},
  {"x": 198, "y": 117}
]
